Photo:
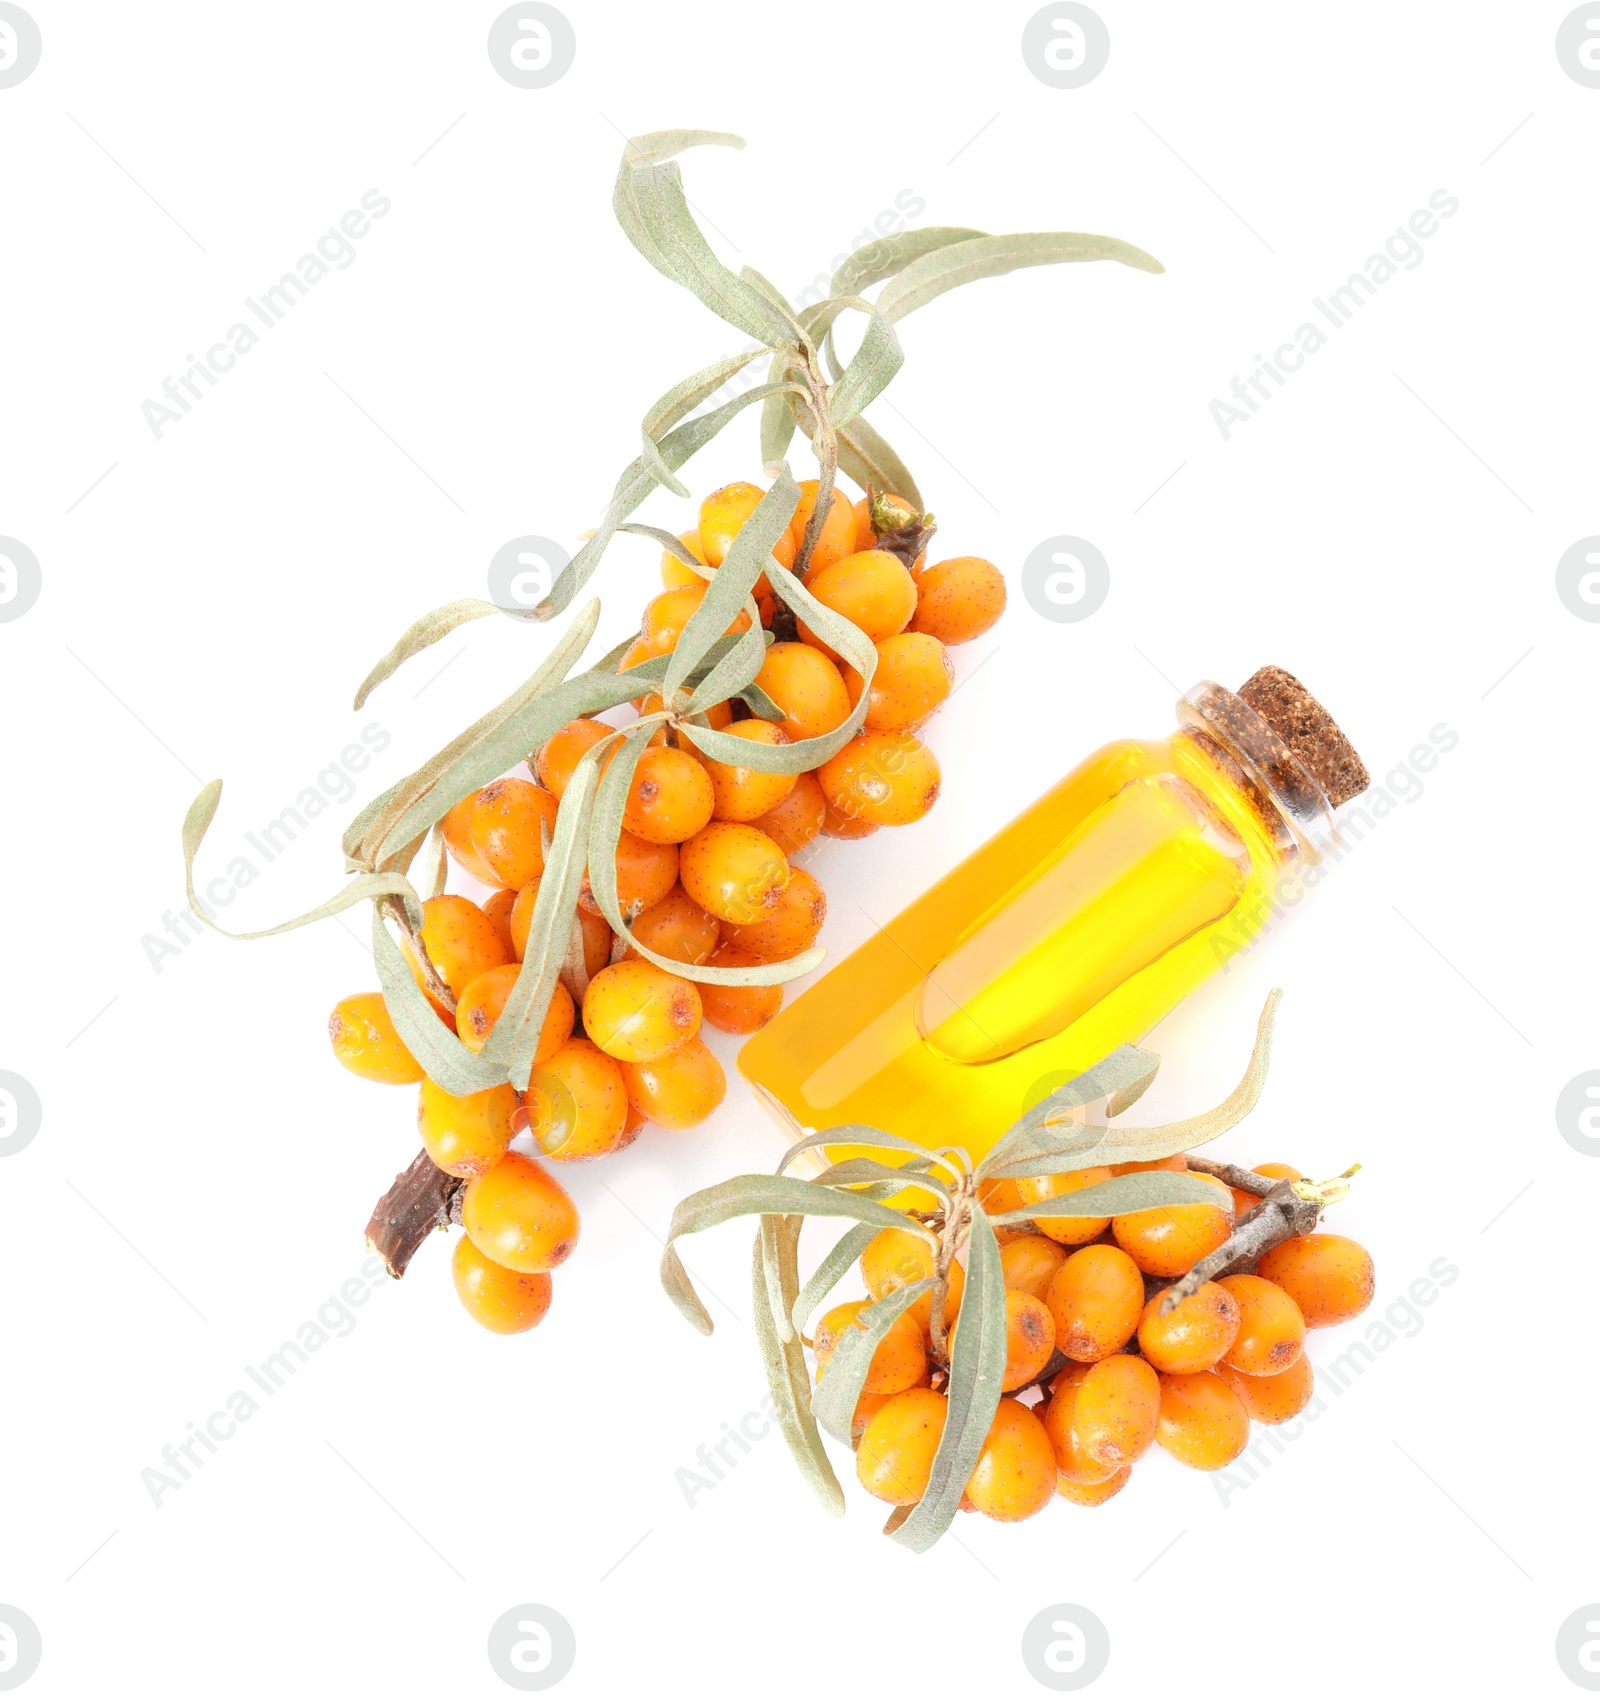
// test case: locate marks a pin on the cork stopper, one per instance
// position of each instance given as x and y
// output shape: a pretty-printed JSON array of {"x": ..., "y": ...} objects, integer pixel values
[{"x": 1307, "y": 731}]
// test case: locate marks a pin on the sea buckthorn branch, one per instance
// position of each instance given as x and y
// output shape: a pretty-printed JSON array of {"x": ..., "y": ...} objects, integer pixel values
[{"x": 421, "y": 1199}]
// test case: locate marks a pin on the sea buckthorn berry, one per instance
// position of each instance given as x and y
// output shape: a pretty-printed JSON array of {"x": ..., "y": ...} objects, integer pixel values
[
  {"x": 519, "y": 1216},
  {"x": 1029, "y": 1262},
  {"x": 559, "y": 756},
  {"x": 666, "y": 616},
  {"x": 1092, "y": 1494},
  {"x": 739, "y": 1011},
  {"x": 796, "y": 820},
  {"x": 635, "y": 1011},
  {"x": 733, "y": 871},
  {"x": 844, "y": 826},
  {"x": 1071, "y": 1232},
  {"x": 725, "y": 512},
  {"x": 899, "y": 1361},
  {"x": 913, "y": 680},
  {"x": 999, "y": 1194},
  {"x": 497, "y": 909},
  {"x": 674, "y": 573},
  {"x": 1015, "y": 1476},
  {"x": 866, "y": 1405},
  {"x": 1272, "y": 1329},
  {"x": 670, "y": 798},
  {"x": 596, "y": 932},
  {"x": 1095, "y": 1299},
  {"x": 1059, "y": 1416},
  {"x": 456, "y": 829},
  {"x": 1194, "y": 1335},
  {"x": 484, "y": 999},
  {"x": 577, "y": 1102},
  {"x": 894, "y": 1258},
  {"x": 1203, "y": 1423},
  {"x": 1330, "y": 1278},
  {"x": 1119, "y": 1403},
  {"x": 958, "y": 600},
  {"x": 895, "y": 1457},
  {"x": 1273, "y": 1400},
  {"x": 790, "y": 927},
  {"x": 837, "y": 538},
  {"x": 506, "y": 822},
  {"x": 646, "y": 872},
  {"x": 807, "y": 687},
  {"x": 1243, "y": 1200},
  {"x": 466, "y": 1134},
  {"x": 680, "y": 1089},
  {"x": 1030, "y": 1339},
  {"x": 1166, "y": 1241},
  {"x": 881, "y": 778},
  {"x": 459, "y": 940},
  {"x": 632, "y": 1126},
  {"x": 1173, "y": 1162},
  {"x": 366, "y": 1042},
  {"x": 503, "y": 1301},
  {"x": 677, "y": 929},
  {"x": 740, "y": 792},
  {"x": 873, "y": 590}
]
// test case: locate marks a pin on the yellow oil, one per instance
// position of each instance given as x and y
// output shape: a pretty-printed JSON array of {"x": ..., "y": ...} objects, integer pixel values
[{"x": 1076, "y": 928}]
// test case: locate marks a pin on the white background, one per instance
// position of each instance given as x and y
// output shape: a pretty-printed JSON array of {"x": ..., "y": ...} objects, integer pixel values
[{"x": 1387, "y": 528}]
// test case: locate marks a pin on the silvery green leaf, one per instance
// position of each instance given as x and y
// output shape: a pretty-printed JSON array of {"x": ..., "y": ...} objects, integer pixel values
[
  {"x": 669, "y": 543},
  {"x": 429, "y": 628},
  {"x": 761, "y": 704},
  {"x": 433, "y": 866},
  {"x": 835, "y": 1263},
  {"x": 676, "y": 405},
  {"x": 1139, "y": 1191},
  {"x": 871, "y": 369},
  {"x": 1121, "y": 1099},
  {"x": 936, "y": 273},
  {"x": 778, "y": 301},
  {"x": 777, "y": 412},
  {"x": 733, "y": 674},
  {"x": 869, "y": 461},
  {"x": 890, "y": 255},
  {"x": 977, "y": 1369},
  {"x": 833, "y": 1405},
  {"x": 891, "y": 1179},
  {"x": 845, "y": 1136},
  {"x": 1045, "y": 1128}
]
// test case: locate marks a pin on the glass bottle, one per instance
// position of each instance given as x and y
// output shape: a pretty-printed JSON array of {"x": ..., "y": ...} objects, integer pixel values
[{"x": 1076, "y": 928}]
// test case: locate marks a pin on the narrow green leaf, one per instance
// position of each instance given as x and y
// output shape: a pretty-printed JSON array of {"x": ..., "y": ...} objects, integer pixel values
[
  {"x": 871, "y": 369},
  {"x": 677, "y": 403},
  {"x": 847, "y": 1136},
  {"x": 833, "y": 1405},
  {"x": 869, "y": 461},
  {"x": 950, "y": 267},
  {"x": 890, "y": 1179},
  {"x": 778, "y": 300},
  {"x": 977, "y": 1369},
  {"x": 433, "y": 867},
  {"x": 835, "y": 1263},
  {"x": 735, "y": 672},
  {"x": 1139, "y": 1191},
  {"x": 669, "y": 543},
  {"x": 777, "y": 413},
  {"x": 761, "y": 704},
  {"x": 788, "y": 1378},
  {"x": 431, "y": 627},
  {"x": 890, "y": 255},
  {"x": 1121, "y": 1099},
  {"x": 1045, "y": 1128}
]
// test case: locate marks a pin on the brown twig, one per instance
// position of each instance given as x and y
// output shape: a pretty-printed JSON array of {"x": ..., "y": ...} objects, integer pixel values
[
  {"x": 421, "y": 1199},
  {"x": 1235, "y": 1176},
  {"x": 1280, "y": 1214},
  {"x": 957, "y": 1220},
  {"x": 431, "y": 980}
]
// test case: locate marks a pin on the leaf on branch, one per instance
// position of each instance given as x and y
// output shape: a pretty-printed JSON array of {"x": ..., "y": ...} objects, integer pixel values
[
  {"x": 1139, "y": 1191},
  {"x": 833, "y": 1405},
  {"x": 429, "y": 628},
  {"x": 890, "y": 254}
]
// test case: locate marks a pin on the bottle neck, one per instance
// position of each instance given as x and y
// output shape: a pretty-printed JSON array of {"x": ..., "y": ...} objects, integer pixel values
[{"x": 1289, "y": 803}]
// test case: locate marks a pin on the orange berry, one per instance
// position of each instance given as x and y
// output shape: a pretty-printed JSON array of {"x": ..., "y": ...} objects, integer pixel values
[
  {"x": 958, "y": 600},
  {"x": 1272, "y": 1400},
  {"x": 466, "y": 1134},
  {"x": 1203, "y": 1423},
  {"x": 866, "y": 1406},
  {"x": 674, "y": 573},
  {"x": 670, "y": 798},
  {"x": 505, "y": 824},
  {"x": 1330, "y": 1278},
  {"x": 837, "y": 538},
  {"x": 646, "y": 872},
  {"x": 1243, "y": 1200},
  {"x": 503, "y": 1301},
  {"x": 559, "y": 756},
  {"x": 733, "y": 871},
  {"x": 718, "y": 717},
  {"x": 898, "y": 1362},
  {"x": 366, "y": 1042},
  {"x": 678, "y": 1090},
  {"x": 913, "y": 680},
  {"x": 634, "y": 1011},
  {"x": 519, "y": 1216},
  {"x": 666, "y": 616},
  {"x": 873, "y": 590},
  {"x": 1029, "y": 1263},
  {"x": 484, "y": 999},
  {"x": 881, "y": 778},
  {"x": 807, "y": 686},
  {"x": 1030, "y": 1339},
  {"x": 1118, "y": 1405},
  {"x": 1194, "y": 1335},
  {"x": 1095, "y": 1300},
  {"x": 1092, "y": 1494},
  {"x": 895, "y": 1457},
  {"x": 1272, "y": 1329},
  {"x": 894, "y": 1258},
  {"x": 1060, "y": 1421},
  {"x": 740, "y": 793},
  {"x": 844, "y": 826},
  {"x": 456, "y": 829},
  {"x": 577, "y": 1103},
  {"x": 596, "y": 932},
  {"x": 999, "y": 1194},
  {"x": 1015, "y": 1476},
  {"x": 1073, "y": 1232},
  {"x": 725, "y": 512},
  {"x": 677, "y": 929},
  {"x": 459, "y": 940},
  {"x": 1166, "y": 1241},
  {"x": 497, "y": 909},
  {"x": 796, "y": 820},
  {"x": 1173, "y": 1162},
  {"x": 739, "y": 1011},
  {"x": 790, "y": 926}
]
